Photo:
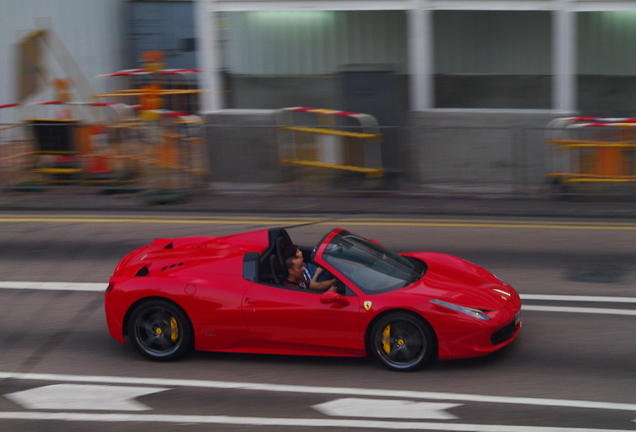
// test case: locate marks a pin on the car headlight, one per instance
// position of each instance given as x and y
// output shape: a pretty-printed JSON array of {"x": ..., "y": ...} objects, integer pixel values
[
  {"x": 475, "y": 313},
  {"x": 500, "y": 279}
]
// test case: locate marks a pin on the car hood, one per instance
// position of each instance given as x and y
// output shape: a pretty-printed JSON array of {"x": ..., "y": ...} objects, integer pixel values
[{"x": 461, "y": 282}]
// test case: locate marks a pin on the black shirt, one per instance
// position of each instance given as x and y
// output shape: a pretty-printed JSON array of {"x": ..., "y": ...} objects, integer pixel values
[{"x": 302, "y": 283}]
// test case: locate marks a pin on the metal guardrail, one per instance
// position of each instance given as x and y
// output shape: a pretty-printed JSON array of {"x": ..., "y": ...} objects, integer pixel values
[
  {"x": 192, "y": 156},
  {"x": 317, "y": 140}
]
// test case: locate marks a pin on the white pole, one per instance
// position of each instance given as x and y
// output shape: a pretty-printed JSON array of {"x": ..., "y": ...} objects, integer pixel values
[
  {"x": 564, "y": 58},
  {"x": 420, "y": 55},
  {"x": 208, "y": 55}
]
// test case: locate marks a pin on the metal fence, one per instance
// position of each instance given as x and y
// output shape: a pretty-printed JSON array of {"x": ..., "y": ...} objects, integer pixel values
[
  {"x": 433, "y": 159},
  {"x": 168, "y": 155},
  {"x": 517, "y": 161},
  {"x": 180, "y": 156}
]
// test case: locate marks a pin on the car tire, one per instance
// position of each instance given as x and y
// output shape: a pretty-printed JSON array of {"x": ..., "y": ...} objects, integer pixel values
[
  {"x": 402, "y": 341},
  {"x": 160, "y": 330}
]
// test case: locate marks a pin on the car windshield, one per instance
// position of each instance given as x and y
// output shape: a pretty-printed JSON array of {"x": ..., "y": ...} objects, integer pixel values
[{"x": 371, "y": 267}]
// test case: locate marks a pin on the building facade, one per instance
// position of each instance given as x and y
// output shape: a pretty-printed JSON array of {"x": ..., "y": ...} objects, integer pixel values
[
  {"x": 92, "y": 32},
  {"x": 556, "y": 55}
]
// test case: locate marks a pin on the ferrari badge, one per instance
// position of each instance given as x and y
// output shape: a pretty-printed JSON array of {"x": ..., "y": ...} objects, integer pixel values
[{"x": 367, "y": 305}]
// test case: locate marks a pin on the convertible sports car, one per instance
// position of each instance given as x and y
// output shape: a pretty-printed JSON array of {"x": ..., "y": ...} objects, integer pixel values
[{"x": 227, "y": 294}]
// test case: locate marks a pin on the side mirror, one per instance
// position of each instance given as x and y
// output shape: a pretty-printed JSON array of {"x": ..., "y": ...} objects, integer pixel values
[{"x": 329, "y": 297}]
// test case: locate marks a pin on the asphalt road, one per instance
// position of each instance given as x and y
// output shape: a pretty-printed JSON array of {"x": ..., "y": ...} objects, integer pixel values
[{"x": 572, "y": 367}]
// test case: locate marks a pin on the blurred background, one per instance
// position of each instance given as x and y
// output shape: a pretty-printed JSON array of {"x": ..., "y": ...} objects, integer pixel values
[
  {"x": 359, "y": 114},
  {"x": 518, "y": 97}
]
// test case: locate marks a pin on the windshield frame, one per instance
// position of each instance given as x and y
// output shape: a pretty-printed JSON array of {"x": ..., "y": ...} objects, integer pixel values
[{"x": 372, "y": 268}]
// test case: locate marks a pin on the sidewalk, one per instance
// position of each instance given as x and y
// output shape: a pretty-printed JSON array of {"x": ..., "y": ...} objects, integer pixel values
[{"x": 283, "y": 199}]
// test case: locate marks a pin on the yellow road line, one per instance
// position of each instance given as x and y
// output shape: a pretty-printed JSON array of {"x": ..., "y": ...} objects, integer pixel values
[
  {"x": 497, "y": 223},
  {"x": 243, "y": 220},
  {"x": 304, "y": 219},
  {"x": 184, "y": 218},
  {"x": 487, "y": 225},
  {"x": 157, "y": 221}
]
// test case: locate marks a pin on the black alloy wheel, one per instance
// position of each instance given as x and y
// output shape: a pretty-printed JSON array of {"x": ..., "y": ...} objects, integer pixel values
[
  {"x": 160, "y": 330},
  {"x": 402, "y": 341}
]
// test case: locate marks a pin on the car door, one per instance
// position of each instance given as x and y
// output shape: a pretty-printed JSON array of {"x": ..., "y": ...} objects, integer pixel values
[{"x": 291, "y": 321}]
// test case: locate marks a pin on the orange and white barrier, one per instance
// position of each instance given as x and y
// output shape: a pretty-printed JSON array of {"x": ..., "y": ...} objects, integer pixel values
[
  {"x": 177, "y": 86},
  {"x": 114, "y": 112},
  {"x": 592, "y": 150}
]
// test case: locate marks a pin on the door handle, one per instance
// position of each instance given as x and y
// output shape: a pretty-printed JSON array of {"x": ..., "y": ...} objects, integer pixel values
[
  {"x": 329, "y": 297},
  {"x": 250, "y": 301}
]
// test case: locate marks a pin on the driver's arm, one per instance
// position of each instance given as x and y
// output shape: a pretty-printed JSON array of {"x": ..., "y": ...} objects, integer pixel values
[
  {"x": 324, "y": 285},
  {"x": 316, "y": 274}
]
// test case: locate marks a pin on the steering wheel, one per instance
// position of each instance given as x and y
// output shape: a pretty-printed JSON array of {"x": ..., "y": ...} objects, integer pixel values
[{"x": 341, "y": 287}]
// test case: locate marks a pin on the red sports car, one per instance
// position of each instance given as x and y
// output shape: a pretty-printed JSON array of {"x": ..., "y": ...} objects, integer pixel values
[{"x": 228, "y": 294}]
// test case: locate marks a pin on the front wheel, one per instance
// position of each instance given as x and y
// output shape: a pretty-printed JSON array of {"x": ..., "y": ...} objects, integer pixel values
[
  {"x": 401, "y": 341},
  {"x": 160, "y": 330}
]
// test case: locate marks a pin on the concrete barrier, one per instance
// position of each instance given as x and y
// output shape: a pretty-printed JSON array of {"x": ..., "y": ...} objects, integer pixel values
[
  {"x": 477, "y": 147},
  {"x": 491, "y": 147},
  {"x": 243, "y": 146}
]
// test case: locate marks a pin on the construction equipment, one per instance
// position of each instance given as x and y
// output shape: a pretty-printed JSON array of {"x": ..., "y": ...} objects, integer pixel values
[
  {"x": 33, "y": 72},
  {"x": 110, "y": 143}
]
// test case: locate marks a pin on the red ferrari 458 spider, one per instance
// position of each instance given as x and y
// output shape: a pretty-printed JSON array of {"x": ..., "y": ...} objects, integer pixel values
[{"x": 228, "y": 294}]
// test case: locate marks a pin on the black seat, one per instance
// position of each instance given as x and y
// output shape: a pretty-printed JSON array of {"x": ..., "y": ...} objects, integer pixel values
[
  {"x": 277, "y": 270},
  {"x": 282, "y": 244},
  {"x": 272, "y": 266}
]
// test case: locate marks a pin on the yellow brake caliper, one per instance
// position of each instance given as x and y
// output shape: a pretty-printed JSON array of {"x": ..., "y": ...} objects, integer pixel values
[
  {"x": 386, "y": 344},
  {"x": 174, "y": 329}
]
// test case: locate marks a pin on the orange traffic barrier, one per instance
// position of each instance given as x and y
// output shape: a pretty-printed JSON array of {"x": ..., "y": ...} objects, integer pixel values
[{"x": 593, "y": 150}]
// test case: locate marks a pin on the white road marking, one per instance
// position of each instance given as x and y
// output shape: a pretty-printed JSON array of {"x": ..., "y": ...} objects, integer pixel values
[
  {"x": 83, "y": 397},
  {"x": 602, "y": 311},
  {"x": 101, "y": 287},
  {"x": 402, "y": 394},
  {"x": 575, "y": 298},
  {"x": 55, "y": 286},
  {"x": 292, "y": 422},
  {"x": 383, "y": 408}
]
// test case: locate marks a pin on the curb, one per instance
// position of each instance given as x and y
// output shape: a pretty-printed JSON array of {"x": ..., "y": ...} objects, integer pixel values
[{"x": 324, "y": 202}]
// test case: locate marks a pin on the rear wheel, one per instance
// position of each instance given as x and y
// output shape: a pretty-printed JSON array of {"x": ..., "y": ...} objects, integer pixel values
[
  {"x": 160, "y": 330},
  {"x": 401, "y": 341}
]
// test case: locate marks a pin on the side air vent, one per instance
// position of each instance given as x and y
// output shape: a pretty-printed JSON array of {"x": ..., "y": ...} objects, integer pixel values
[
  {"x": 169, "y": 246},
  {"x": 171, "y": 266},
  {"x": 142, "y": 271}
]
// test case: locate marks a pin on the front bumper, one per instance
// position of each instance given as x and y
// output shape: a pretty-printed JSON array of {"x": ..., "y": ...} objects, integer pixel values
[{"x": 480, "y": 339}]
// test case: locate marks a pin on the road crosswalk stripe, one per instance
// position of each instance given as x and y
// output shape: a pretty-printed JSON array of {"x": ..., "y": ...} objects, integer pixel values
[
  {"x": 290, "y": 422},
  {"x": 286, "y": 388}
]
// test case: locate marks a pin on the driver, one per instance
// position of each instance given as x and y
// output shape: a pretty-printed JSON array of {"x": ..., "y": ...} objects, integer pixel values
[
  {"x": 296, "y": 279},
  {"x": 293, "y": 250}
]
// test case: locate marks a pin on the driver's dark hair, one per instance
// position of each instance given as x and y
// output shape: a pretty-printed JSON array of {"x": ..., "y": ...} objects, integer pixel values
[
  {"x": 289, "y": 262},
  {"x": 289, "y": 251}
]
